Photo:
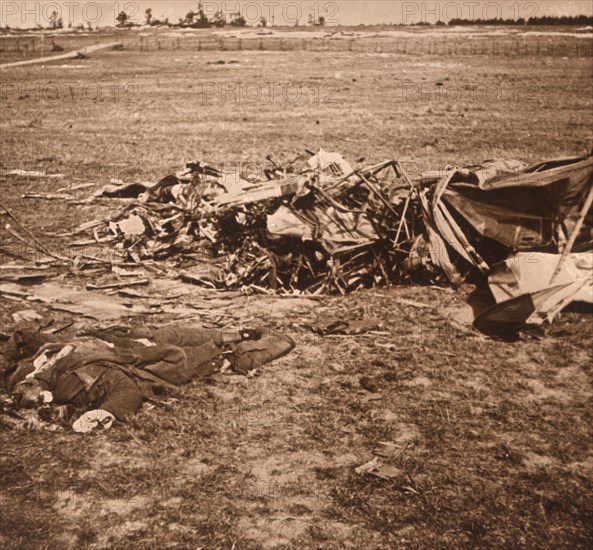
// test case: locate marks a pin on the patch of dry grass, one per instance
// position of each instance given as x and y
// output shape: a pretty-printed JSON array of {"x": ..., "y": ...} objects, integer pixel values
[{"x": 496, "y": 435}]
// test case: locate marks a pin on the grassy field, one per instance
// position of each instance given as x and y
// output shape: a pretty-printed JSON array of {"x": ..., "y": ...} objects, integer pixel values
[{"x": 495, "y": 437}]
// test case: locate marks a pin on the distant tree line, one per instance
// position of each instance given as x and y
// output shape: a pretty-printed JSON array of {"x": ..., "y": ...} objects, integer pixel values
[
  {"x": 545, "y": 20},
  {"x": 193, "y": 20},
  {"x": 198, "y": 19}
]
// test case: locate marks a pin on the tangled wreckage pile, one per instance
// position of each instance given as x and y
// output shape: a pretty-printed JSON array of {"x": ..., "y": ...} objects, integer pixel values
[
  {"x": 332, "y": 228},
  {"x": 327, "y": 228}
]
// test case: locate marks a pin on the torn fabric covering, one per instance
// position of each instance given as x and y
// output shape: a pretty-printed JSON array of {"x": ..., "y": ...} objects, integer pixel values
[
  {"x": 527, "y": 292},
  {"x": 524, "y": 210},
  {"x": 283, "y": 223},
  {"x": 334, "y": 163},
  {"x": 528, "y": 272},
  {"x": 329, "y": 225},
  {"x": 479, "y": 174},
  {"x": 491, "y": 170}
]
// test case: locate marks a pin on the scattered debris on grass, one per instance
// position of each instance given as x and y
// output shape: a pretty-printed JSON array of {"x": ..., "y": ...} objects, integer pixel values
[
  {"x": 378, "y": 468},
  {"x": 31, "y": 174}
]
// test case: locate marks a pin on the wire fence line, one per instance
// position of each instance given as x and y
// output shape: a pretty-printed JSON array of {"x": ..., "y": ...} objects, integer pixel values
[
  {"x": 417, "y": 46},
  {"x": 504, "y": 47}
]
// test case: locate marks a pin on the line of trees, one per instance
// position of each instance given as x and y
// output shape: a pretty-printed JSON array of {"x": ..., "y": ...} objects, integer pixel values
[
  {"x": 56, "y": 22},
  {"x": 198, "y": 19},
  {"x": 193, "y": 20},
  {"x": 544, "y": 20}
]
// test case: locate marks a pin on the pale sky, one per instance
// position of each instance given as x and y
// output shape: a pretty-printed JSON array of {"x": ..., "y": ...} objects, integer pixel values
[{"x": 23, "y": 13}]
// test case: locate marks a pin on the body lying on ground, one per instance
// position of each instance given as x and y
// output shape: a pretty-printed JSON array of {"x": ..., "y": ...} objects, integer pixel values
[{"x": 107, "y": 375}]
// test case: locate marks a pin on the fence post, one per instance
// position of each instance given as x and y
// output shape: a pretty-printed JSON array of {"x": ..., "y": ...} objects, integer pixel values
[
  {"x": 261, "y": 43},
  {"x": 240, "y": 45},
  {"x": 199, "y": 45},
  {"x": 222, "y": 44}
]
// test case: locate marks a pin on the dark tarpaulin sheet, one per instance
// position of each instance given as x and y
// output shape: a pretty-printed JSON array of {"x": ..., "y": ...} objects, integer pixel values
[{"x": 522, "y": 210}]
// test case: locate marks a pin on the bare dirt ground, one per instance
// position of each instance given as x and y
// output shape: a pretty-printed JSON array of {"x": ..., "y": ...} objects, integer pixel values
[{"x": 494, "y": 437}]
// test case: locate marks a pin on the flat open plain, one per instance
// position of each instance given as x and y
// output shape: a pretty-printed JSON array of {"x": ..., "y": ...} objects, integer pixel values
[{"x": 497, "y": 436}]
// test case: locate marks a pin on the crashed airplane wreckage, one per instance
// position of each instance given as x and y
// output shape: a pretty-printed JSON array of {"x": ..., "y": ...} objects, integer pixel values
[
  {"x": 332, "y": 228},
  {"x": 326, "y": 229}
]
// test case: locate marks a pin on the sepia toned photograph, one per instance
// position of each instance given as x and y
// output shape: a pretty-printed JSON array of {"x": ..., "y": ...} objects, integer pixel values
[{"x": 296, "y": 274}]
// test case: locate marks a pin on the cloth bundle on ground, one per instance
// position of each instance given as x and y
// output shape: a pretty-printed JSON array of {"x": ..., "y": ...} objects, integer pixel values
[{"x": 113, "y": 370}]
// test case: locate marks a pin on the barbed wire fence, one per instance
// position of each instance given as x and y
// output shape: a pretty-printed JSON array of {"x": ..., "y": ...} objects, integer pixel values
[{"x": 507, "y": 47}]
